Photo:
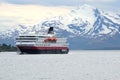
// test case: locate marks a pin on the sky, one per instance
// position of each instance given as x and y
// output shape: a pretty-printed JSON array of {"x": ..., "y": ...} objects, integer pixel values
[{"x": 29, "y": 12}]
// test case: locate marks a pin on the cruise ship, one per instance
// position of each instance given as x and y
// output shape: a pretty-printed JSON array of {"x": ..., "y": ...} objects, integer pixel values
[{"x": 42, "y": 43}]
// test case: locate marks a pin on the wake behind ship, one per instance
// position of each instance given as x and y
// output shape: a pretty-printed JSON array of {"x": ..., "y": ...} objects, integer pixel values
[{"x": 44, "y": 43}]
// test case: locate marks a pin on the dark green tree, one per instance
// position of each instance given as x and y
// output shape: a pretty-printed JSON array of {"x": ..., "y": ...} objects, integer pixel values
[{"x": 5, "y": 47}]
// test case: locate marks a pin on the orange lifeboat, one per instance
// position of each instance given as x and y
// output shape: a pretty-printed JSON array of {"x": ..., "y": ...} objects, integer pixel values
[{"x": 50, "y": 40}]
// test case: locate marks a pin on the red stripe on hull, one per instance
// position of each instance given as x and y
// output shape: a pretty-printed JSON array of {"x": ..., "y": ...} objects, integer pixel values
[{"x": 41, "y": 48}]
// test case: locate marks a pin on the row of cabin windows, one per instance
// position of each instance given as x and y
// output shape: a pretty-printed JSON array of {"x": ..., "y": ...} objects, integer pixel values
[
  {"x": 41, "y": 42},
  {"x": 35, "y": 39},
  {"x": 34, "y": 36},
  {"x": 26, "y": 38}
]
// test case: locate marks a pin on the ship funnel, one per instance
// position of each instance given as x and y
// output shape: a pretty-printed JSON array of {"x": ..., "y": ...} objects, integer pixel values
[{"x": 50, "y": 31}]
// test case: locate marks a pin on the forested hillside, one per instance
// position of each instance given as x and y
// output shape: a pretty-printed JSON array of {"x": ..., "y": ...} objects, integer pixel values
[{"x": 5, "y": 47}]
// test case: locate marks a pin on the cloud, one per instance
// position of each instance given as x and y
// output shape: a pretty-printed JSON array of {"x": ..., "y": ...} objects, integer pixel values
[
  {"x": 55, "y": 2},
  {"x": 12, "y": 14},
  {"x": 43, "y": 2},
  {"x": 100, "y": 0}
]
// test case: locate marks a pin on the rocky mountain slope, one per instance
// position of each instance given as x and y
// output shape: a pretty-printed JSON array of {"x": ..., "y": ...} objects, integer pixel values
[{"x": 86, "y": 27}]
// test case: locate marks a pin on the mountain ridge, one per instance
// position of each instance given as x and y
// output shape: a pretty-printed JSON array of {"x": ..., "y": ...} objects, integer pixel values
[{"x": 83, "y": 24}]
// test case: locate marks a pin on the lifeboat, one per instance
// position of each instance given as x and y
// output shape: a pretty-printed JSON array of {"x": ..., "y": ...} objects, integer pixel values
[{"x": 50, "y": 40}]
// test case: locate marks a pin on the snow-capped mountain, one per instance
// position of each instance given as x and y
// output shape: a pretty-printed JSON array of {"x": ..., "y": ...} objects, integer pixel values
[{"x": 86, "y": 28}]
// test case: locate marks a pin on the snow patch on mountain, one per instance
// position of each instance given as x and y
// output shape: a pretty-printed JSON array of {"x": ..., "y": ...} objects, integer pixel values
[{"x": 84, "y": 21}]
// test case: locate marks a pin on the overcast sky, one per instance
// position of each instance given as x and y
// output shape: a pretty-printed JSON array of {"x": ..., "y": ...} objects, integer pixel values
[
  {"x": 28, "y": 12},
  {"x": 100, "y": 3}
]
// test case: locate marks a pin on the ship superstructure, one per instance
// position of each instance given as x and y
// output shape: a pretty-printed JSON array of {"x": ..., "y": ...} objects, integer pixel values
[{"x": 44, "y": 43}]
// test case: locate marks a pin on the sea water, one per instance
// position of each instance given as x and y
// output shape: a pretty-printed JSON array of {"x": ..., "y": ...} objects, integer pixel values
[{"x": 76, "y": 65}]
